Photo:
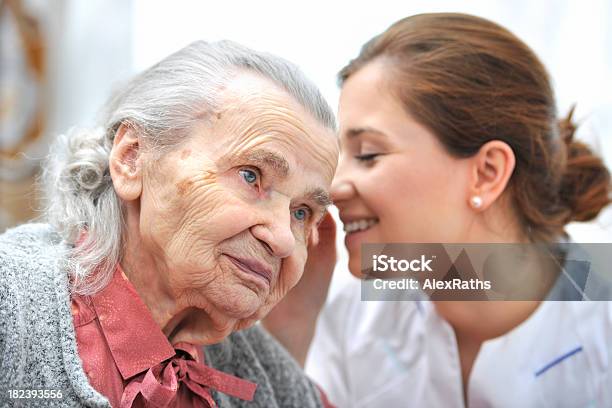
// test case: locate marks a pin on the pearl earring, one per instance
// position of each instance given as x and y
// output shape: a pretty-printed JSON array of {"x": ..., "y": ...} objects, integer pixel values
[{"x": 476, "y": 201}]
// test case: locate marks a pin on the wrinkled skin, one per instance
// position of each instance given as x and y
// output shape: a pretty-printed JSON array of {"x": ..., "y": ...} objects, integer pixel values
[{"x": 250, "y": 182}]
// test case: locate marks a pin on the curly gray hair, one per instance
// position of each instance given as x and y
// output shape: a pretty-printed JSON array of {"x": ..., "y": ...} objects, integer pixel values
[{"x": 162, "y": 103}]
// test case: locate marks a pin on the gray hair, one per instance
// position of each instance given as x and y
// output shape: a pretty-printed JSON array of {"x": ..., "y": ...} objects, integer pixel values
[{"x": 162, "y": 103}]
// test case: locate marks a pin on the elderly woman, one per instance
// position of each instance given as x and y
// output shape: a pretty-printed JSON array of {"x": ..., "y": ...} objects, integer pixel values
[{"x": 178, "y": 224}]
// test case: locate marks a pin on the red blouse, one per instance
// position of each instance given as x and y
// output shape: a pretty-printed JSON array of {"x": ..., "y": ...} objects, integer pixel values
[{"x": 129, "y": 360}]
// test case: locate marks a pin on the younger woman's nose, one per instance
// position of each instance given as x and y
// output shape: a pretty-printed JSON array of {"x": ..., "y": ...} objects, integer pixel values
[{"x": 342, "y": 190}]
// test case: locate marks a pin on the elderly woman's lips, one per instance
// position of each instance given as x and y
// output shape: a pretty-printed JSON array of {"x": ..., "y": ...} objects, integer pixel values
[{"x": 252, "y": 266}]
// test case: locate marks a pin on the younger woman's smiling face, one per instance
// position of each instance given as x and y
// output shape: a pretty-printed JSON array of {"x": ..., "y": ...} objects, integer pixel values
[{"x": 395, "y": 182}]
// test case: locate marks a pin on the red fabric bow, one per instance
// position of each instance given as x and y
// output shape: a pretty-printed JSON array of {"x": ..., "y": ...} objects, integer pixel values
[{"x": 160, "y": 385}]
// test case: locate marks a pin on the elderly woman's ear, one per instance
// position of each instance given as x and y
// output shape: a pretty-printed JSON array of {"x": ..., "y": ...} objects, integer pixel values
[{"x": 125, "y": 168}]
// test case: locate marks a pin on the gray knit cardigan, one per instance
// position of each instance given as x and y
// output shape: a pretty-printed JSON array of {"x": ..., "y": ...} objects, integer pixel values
[{"x": 38, "y": 348}]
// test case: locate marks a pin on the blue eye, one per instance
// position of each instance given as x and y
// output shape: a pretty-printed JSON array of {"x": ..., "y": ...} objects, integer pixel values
[
  {"x": 249, "y": 176},
  {"x": 301, "y": 214}
]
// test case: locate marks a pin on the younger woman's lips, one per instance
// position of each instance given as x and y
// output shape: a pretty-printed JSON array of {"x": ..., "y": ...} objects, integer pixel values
[
  {"x": 252, "y": 266},
  {"x": 353, "y": 240}
]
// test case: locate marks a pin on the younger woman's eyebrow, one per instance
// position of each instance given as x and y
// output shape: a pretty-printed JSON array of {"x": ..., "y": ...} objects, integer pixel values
[{"x": 356, "y": 132}]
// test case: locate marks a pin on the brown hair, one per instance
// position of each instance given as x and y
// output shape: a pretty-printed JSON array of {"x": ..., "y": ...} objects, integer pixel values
[{"x": 470, "y": 81}]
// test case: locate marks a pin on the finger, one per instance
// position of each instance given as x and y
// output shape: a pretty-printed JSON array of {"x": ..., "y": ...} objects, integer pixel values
[
  {"x": 314, "y": 238},
  {"x": 327, "y": 229},
  {"x": 327, "y": 222}
]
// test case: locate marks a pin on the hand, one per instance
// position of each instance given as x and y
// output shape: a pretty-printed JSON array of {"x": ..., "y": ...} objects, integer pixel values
[{"x": 293, "y": 319}]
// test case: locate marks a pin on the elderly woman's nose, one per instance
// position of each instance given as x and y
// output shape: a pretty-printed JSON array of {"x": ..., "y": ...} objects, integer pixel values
[{"x": 276, "y": 235}]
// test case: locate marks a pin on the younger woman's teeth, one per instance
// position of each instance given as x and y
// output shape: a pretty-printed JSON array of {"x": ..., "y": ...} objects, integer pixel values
[{"x": 359, "y": 225}]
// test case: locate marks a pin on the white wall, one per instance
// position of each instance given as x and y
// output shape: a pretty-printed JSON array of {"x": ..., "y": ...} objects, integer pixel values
[{"x": 90, "y": 53}]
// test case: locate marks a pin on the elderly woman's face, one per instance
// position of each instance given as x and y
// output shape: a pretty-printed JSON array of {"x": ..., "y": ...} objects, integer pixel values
[{"x": 228, "y": 214}]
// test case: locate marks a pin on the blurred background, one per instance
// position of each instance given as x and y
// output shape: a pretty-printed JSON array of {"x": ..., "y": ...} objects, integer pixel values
[{"x": 61, "y": 59}]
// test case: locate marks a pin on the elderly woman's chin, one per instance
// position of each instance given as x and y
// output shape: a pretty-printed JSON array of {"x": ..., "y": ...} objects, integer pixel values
[
  {"x": 238, "y": 302},
  {"x": 236, "y": 296},
  {"x": 217, "y": 311}
]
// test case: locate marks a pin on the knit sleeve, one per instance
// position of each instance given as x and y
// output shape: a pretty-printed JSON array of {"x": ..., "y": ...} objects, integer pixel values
[
  {"x": 291, "y": 386},
  {"x": 255, "y": 355},
  {"x": 5, "y": 319},
  {"x": 11, "y": 319}
]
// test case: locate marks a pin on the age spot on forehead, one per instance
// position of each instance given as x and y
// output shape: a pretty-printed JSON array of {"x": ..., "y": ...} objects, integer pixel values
[
  {"x": 183, "y": 186},
  {"x": 185, "y": 153}
]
